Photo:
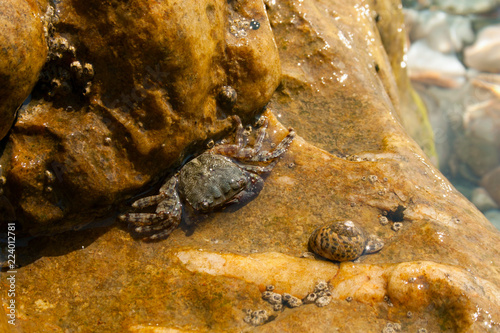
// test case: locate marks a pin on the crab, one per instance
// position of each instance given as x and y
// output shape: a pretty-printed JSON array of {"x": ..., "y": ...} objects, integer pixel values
[{"x": 218, "y": 177}]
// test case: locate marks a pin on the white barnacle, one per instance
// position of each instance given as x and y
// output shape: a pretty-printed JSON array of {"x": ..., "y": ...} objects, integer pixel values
[
  {"x": 383, "y": 220},
  {"x": 275, "y": 299},
  {"x": 294, "y": 302},
  {"x": 323, "y": 301},
  {"x": 291, "y": 301},
  {"x": 88, "y": 72},
  {"x": 257, "y": 317},
  {"x": 396, "y": 226},
  {"x": 310, "y": 298},
  {"x": 76, "y": 68},
  {"x": 321, "y": 285},
  {"x": 267, "y": 294}
]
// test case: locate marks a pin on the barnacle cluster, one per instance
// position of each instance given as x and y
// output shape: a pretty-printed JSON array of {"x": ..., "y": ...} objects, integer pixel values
[
  {"x": 275, "y": 299},
  {"x": 63, "y": 73},
  {"x": 356, "y": 158},
  {"x": 256, "y": 318},
  {"x": 395, "y": 226},
  {"x": 321, "y": 296},
  {"x": 239, "y": 26},
  {"x": 392, "y": 328}
]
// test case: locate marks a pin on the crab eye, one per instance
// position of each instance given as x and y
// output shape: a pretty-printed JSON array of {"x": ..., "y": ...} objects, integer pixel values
[
  {"x": 234, "y": 184},
  {"x": 205, "y": 205}
]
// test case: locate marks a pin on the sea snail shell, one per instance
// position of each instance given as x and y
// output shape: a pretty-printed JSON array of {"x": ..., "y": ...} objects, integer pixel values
[{"x": 343, "y": 241}]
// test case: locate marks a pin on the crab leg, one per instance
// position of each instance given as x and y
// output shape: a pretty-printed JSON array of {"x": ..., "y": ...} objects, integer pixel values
[
  {"x": 238, "y": 151},
  {"x": 280, "y": 149},
  {"x": 162, "y": 229},
  {"x": 239, "y": 133},
  {"x": 165, "y": 191},
  {"x": 166, "y": 217},
  {"x": 258, "y": 169},
  {"x": 260, "y": 138},
  {"x": 232, "y": 149}
]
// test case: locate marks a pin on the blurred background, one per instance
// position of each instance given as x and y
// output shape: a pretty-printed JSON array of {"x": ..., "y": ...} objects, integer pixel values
[{"x": 453, "y": 60}]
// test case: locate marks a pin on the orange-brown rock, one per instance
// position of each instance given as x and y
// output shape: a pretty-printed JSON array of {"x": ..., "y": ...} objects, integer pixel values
[
  {"x": 22, "y": 56},
  {"x": 158, "y": 68}
]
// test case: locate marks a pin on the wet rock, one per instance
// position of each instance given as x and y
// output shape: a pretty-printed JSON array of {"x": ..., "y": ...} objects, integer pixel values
[
  {"x": 216, "y": 265},
  {"x": 23, "y": 54},
  {"x": 483, "y": 55},
  {"x": 412, "y": 111},
  {"x": 153, "y": 102}
]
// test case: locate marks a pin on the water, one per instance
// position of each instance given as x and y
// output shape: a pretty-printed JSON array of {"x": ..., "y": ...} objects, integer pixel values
[{"x": 462, "y": 95}]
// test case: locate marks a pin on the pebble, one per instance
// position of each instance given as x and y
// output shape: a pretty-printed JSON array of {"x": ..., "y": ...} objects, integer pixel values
[
  {"x": 482, "y": 200},
  {"x": 433, "y": 67},
  {"x": 494, "y": 217},
  {"x": 484, "y": 54}
]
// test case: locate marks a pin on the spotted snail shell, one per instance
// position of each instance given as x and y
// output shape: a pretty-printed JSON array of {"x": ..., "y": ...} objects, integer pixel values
[{"x": 343, "y": 241}]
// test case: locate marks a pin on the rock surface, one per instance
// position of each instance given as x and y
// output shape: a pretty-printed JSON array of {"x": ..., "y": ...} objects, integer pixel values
[
  {"x": 22, "y": 56},
  {"x": 352, "y": 161},
  {"x": 152, "y": 103}
]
